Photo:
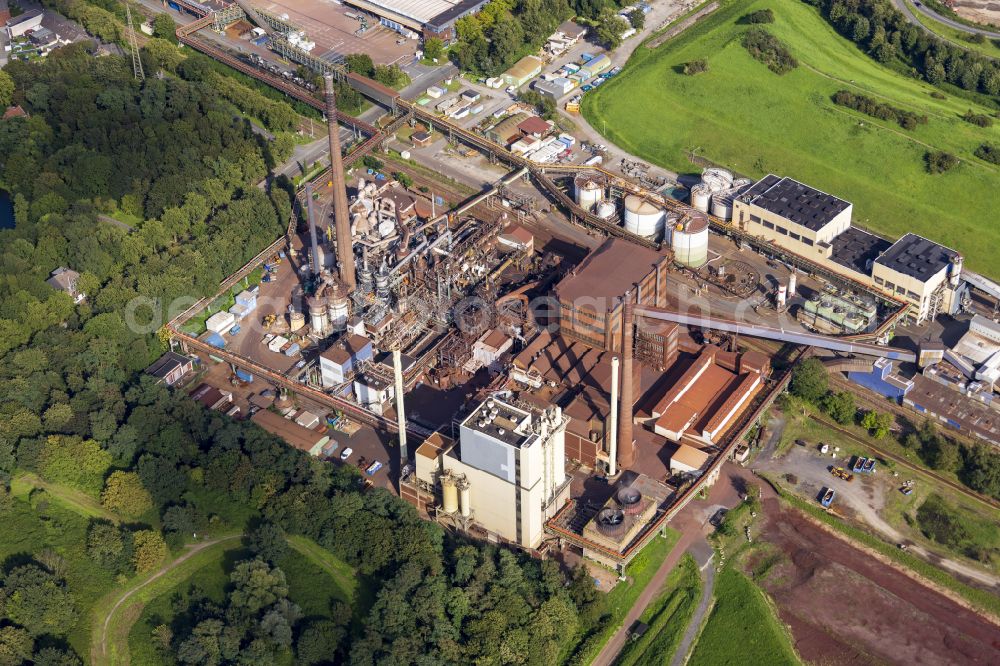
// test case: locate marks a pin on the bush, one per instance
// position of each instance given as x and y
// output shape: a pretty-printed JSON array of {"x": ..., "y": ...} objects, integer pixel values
[
  {"x": 871, "y": 107},
  {"x": 372, "y": 162},
  {"x": 978, "y": 119},
  {"x": 976, "y": 38},
  {"x": 770, "y": 50},
  {"x": 938, "y": 161},
  {"x": 696, "y": 67},
  {"x": 937, "y": 95},
  {"x": 989, "y": 152},
  {"x": 809, "y": 380},
  {"x": 403, "y": 179},
  {"x": 760, "y": 16}
]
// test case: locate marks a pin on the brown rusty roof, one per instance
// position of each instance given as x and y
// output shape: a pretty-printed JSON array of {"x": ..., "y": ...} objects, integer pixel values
[{"x": 609, "y": 271}]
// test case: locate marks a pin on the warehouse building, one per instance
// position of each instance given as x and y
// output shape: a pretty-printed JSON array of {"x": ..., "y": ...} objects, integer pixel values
[
  {"x": 523, "y": 71},
  {"x": 428, "y": 18},
  {"x": 506, "y": 474},
  {"x": 817, "y": 226},
  {"x": 793, "y": 215}
]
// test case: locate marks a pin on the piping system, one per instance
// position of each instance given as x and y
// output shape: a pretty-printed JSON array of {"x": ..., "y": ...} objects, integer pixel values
[
  {"x": 626, "y": 445},
  {"x": 780, "y": 334},
  {"x": 613, "y": 426},
  {"x": 341, "y": 212}
]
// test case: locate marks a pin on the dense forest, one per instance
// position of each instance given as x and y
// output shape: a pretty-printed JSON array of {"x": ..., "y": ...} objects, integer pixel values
[
  {"x": 882, "y": 31},
  {"x": 149, "y": 190}
]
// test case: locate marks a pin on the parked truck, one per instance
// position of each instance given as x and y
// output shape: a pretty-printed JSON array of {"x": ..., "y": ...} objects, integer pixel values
[{"x": 827, "y": 497}]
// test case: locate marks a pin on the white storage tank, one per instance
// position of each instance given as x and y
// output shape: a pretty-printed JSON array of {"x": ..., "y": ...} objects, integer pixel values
[
  {"x": 589, "y": 190},
  {"x": 642, "y": 217},
  {"x": 296, "y": 320},
  {"x": 722, "y": 205},
  {"x": 605, "y": 210},
  {"x": 449, "y": 492},
  {"x": 689, "y": 240},
  {"x": 701, "y": 195},
  {"x": 464, "y": 497},
  {"x": 717, "y": 179},
  {"x": 339, "y": 311}
]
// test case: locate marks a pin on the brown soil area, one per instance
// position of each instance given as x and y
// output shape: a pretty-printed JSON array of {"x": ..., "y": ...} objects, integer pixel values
[{"x": 845, "y": 607}]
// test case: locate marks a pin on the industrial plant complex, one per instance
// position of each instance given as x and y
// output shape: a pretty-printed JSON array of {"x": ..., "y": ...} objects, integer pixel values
[{"x": 562, "y": 360}]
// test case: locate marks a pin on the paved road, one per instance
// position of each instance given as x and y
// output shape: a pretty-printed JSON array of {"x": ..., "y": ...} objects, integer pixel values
[{"x": 930, "y": 13}]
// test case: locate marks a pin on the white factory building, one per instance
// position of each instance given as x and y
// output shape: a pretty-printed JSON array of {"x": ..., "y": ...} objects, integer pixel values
[{"x": 506, "y": 474}]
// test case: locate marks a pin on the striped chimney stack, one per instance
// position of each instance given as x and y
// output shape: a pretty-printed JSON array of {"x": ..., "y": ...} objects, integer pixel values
[{"x": 341, "y": 213}]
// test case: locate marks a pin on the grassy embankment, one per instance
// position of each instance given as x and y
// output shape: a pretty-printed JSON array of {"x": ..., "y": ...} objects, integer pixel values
[
  {"x": 667, "y": 617},
  {"x": 621, "y": 599},
  {"x": 957, "y": 37},
  {"x": 741, "y": 115},
  {"x": 743, "y": 627}
]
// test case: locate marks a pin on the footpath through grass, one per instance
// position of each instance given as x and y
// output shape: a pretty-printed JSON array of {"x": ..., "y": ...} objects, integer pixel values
[
  {"x": 668, "y": 617},
  {"x": 742, "y": 628},
  {"x": 741, "y": 115},
  {"x": 621, "y": 599}
]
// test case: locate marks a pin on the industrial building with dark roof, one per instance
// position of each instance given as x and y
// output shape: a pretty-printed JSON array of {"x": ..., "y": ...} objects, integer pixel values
[
  {"x": 795, "y": 201},
  {"x": 917, "y": 257}
]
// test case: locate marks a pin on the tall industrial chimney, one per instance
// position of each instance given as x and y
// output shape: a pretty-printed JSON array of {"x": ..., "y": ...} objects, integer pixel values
[
  {"x": 626, "y": 445},
  {"x": 397, "y": 371},
  {"x": 613, "y": 426},
  {"x": 341, "y": 214},
  {"x": 317, "y": 265}
]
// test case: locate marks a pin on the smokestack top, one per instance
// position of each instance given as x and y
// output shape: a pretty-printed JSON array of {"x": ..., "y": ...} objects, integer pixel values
[{"x": 341, "y": 212}]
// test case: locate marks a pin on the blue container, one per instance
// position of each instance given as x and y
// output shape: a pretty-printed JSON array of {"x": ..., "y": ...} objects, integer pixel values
[
  {"x": 244, "y": 376},
  {"x": 293, "y": 350},
  {"x": 215, "y": 340}
]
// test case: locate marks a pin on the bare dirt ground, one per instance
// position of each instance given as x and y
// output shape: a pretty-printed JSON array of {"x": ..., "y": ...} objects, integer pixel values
[
  {"x": 844, "y": 607},
  {"x": 981, "y": 11}
]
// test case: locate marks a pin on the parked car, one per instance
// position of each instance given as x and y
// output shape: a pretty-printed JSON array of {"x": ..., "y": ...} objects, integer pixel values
[
  {"x": 374, "y": 467},
  {"x": 346, "y": 453},
  {"x": 717, "y": 517}
]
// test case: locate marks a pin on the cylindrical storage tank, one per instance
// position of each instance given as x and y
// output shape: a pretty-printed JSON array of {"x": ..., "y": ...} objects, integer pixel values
[
  {"x": 589, "y": 190},
  {"x": 782, "y": 295},
  {"x": 296, "y": 320},
  {"x": 701, "y": 195},
  {"x": 605, "y": 210},
  {"x": 742, "y": 183},
  {"x": 669, "y": 224},
  {"x": 791, "y": 285},
  {"x": 465, "y": 498},
  {"x": 722, "y": 205},
  {"x": 717, "y": 179},
  {"x": 386, "y": 228},
  {"x": 642, "y": 217},
  {"x": 689, "y": 240},
  {"x": 449, "y": 492},
  {"x": 318, "y": 319}
]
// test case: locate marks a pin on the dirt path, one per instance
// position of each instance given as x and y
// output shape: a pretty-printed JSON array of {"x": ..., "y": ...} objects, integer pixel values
[
  {"x": 99, "y": 650},
  {"x": 698, "y": 618}
]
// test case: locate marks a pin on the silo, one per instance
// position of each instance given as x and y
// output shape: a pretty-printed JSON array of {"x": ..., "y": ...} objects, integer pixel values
[
  {"x": 642, "y": 217},
  {"x": 449, "y": 492},
  {"x": 791, "y": 285},
  {"x": 605, "y": 210},
  {"x": 689, "y": 240},
  {"x": 296, "y": 320},
  {"x": 339, "y": 311},
  {"x": 670, "y": 223},
  {"x": 782, "y": 296},
  {"x": 464, "y": 497},
  {"x": 589, "y": 189},
  {"x": 318, "y": 318},
  {"x": 701, "y": 194}
]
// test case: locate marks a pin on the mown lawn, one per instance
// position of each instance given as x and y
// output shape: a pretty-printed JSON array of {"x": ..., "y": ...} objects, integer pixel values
[
  {"x": 742, "y": 628},
  {"x": 741, "y": 115}
]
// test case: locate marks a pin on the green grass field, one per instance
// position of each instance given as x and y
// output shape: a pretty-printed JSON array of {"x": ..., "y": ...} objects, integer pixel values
[
  {"x": 742, "y": 627},
  {"x": 741, "y": 115},
  {"x": 668, "y": 617}
]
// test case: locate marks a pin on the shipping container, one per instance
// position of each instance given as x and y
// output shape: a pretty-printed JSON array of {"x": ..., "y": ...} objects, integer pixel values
[
  {"x": 244, "y": 376},
  {"x": 292, "y": 350},
  {"x": 215, "y": 340},
  {"x": 220, "y": 322}
]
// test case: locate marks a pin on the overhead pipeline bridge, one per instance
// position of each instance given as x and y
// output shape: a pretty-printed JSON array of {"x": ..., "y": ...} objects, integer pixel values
[{"x": 779, "y": 334}]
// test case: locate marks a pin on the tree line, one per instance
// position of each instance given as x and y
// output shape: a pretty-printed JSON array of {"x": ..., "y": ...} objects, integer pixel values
[
  {"x": 875, "y": 109},
  {"x": 976, "y": 465},
  {"x": 882, "y": 31},
  {"x": 76, "y": 409}
]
